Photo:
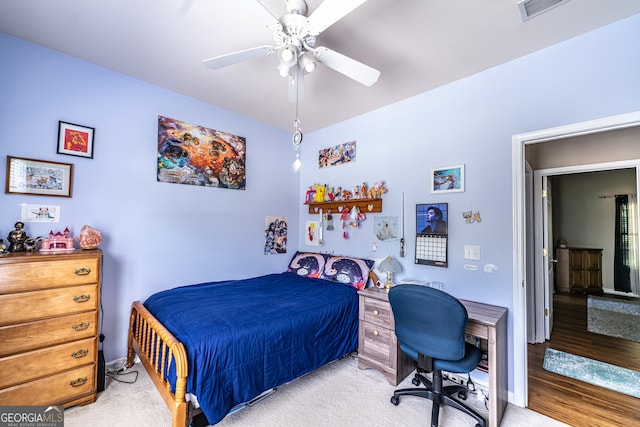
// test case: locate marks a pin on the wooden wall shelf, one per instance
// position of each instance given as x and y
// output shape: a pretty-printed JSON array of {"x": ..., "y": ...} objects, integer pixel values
[{"x": 365, "y": 205}]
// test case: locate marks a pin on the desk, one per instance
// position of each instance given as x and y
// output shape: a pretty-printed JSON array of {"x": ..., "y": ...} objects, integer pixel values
[{"x": 378, "y": 347}]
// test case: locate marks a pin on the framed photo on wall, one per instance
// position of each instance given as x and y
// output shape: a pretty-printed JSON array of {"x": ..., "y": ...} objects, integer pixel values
[
  {"x": 448, "y": 179},
  {"x": 75, "y": 140},
  {"x": 38, "y": 177}
]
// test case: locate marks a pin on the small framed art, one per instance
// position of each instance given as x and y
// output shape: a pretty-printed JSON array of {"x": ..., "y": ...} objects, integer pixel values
[
  {"x": 448, "y": 179},
  {"x": 38, "y": 177},
  {"x": 75, "y": 140}
]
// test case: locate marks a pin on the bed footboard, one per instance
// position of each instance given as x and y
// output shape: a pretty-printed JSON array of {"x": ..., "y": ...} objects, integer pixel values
[{"x": 157, "y": 348}]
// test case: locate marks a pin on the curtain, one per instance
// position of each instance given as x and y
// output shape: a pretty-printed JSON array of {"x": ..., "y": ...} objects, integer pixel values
[
  {"x": 621, "y": 268},
  {"x": 633, "y": 243}
]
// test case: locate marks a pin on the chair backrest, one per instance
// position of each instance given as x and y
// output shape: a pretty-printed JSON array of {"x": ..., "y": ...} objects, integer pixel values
[{"x": 429, "y": 321}]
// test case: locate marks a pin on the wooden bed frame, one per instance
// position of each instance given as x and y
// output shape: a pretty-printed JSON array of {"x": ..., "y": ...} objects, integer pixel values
[{"x": 157, "y": 348}]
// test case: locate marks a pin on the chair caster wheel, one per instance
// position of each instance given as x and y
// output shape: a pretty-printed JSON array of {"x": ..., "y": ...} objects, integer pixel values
[
  {"x": 415, "y": 381},
  {"x": 463, "y": 395},
  {"x": 395, "y": 400}
]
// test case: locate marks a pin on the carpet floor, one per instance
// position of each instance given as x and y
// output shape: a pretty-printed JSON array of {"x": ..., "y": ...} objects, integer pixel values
[
  {"x": 593, "y": 372},
  {"x": 614, "y": 317},
  {"x": 338, "y": 394}
]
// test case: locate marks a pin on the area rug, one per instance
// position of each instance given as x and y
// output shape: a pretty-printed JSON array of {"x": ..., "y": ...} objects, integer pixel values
[
  {"x": 618, "y": 318},
  {"x": 593, "y": 372}
]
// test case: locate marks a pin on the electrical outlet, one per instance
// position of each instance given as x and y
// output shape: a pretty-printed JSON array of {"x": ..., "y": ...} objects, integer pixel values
[{"x": 455, "y": 378}]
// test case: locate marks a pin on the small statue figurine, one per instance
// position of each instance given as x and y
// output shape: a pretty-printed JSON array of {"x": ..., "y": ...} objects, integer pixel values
[{"x": 16, "y": 238}]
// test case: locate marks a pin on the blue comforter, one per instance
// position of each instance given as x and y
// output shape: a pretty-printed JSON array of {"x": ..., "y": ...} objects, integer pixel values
[{"x": 243, "y": 337}]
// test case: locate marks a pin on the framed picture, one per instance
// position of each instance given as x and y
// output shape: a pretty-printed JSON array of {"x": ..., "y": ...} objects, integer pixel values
[
  {"x": 75, "y": 140},
  {"x": 38, "y": 177},
  {"x": 195, "y": 155},
  {"x": 448, "y": 179}
]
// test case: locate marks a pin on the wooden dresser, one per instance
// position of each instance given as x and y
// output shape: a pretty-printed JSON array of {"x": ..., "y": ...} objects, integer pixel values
[
  {"x": 49, "y": 306},
  {"x": 579, "y": 270},
  {"x": 378, "y": 346}
]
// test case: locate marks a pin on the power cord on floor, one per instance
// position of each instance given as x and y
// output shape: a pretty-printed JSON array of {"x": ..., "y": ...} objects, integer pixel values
[{"x": 120, "y": 372}]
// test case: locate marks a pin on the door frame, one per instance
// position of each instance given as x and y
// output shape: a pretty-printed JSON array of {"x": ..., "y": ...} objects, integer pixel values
[{"x": 519, "y": 142}]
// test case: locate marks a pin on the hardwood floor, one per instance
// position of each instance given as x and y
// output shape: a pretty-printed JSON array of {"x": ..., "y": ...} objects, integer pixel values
[{"x": 571, "y": 401}]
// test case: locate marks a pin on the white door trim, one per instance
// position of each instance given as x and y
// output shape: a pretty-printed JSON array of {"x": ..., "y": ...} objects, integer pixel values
[{"x": 519, "y": 142}]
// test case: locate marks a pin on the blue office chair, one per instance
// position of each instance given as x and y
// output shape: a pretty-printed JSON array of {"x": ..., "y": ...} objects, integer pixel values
[{"x": 430, "y": 326}]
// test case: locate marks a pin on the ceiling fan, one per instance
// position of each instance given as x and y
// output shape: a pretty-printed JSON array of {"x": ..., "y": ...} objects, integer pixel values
[{"x": 294, "y": 35}]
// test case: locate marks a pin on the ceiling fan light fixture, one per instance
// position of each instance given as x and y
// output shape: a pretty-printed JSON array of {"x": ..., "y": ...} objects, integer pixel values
[
  {"x": 288, "y": 55},
  {"x": 284, "y": 69},
  {"x": 306, "y": 62}
]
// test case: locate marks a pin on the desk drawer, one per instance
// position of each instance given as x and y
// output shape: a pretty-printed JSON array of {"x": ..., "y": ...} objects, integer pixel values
[
  {"x": 36, "y": 364},
  {"x": 52, "y": 390},
  {"x": 377, "y": 312},
  {"x": 43, "y": 333},
  {"x": 26, "y": 306},
  {"x": 35, "y": 275},
  {"x": 477, "y": 330},
  {"x": 376, "y": 343}
]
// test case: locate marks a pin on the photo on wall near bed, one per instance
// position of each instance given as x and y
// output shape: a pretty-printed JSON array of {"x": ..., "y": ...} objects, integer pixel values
[{"x": 275, "y": 235}]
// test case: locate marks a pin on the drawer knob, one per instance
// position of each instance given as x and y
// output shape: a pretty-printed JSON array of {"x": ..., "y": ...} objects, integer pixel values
[
  {"x": 80, "y": 354},
  {"x": 375, "y": 333},
  {"x": 82, "y": 298},
  {"x": 81, "y": 326},
  {"x": 376, "y": 312},
  {"x": 78, "y": 382},
  {"x": 82, "y": 271}
]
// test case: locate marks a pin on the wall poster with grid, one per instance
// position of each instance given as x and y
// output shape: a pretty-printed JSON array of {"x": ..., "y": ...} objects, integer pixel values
[{"x": 432, "y": 234}]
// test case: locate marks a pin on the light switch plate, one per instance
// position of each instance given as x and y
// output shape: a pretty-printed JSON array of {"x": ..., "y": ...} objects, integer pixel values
[{"x": 472, "y": 252}]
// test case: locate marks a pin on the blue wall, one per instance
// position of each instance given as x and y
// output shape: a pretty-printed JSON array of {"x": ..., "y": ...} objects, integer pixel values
[
  {"x": 472, "y": 122},
  {"x": 155, "y": 235},
  {"x": 162, "y": 235}
]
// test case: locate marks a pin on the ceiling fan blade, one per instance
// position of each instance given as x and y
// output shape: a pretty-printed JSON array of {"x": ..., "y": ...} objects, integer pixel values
[
  {"x": 330, "y": 12},
  {"x": 221, "y": 61},
  {"x": 351, "y": 68},
  {"x": 296, "y": 84},
  {"x": 264, "y": 6}
]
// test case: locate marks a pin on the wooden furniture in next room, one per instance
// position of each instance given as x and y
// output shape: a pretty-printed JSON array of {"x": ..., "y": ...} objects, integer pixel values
[
  {"x": 579, "y": 270},
  {"x": 487, "y": 322},
  {"x": 48, "y": 327}
]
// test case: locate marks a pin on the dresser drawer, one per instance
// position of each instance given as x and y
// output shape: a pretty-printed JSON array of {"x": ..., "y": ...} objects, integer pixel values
[
  {"x": 43, "y": 333},
  {"x": 27, "y": 276},
  {"x": 36, "y": 364},
  {"x": 52, "y": 390},
  {"x": 35, "y": 305},
  {"x": 375, "y": 343},
  {"x": 377, "y": 312}
]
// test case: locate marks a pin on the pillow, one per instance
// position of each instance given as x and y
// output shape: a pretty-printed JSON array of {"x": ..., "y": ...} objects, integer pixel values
[
  {"x": 308, "y": 264},
  {"x": 344, "y": 269}
]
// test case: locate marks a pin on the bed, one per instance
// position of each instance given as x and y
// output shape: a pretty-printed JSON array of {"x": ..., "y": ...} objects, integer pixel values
[{"x": 225, "y": 343}]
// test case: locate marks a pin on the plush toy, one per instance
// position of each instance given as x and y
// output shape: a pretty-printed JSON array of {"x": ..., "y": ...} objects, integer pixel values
[
  {"x": 344, "y": 216},
  {"x": 355, "y": 213},
  {"x": 319, "y": 196},
  {"x": 377, "y": 190},
  {"x": 329, "y": 195}
]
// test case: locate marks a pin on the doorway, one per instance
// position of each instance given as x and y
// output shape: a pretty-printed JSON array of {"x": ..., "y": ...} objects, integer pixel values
[
  {"x": 616, "y": 126},
  {"x": 584, "y": 216}
]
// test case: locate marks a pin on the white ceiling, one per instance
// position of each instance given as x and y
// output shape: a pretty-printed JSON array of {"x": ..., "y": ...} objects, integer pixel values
[{"x": 417, "y": 45}]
